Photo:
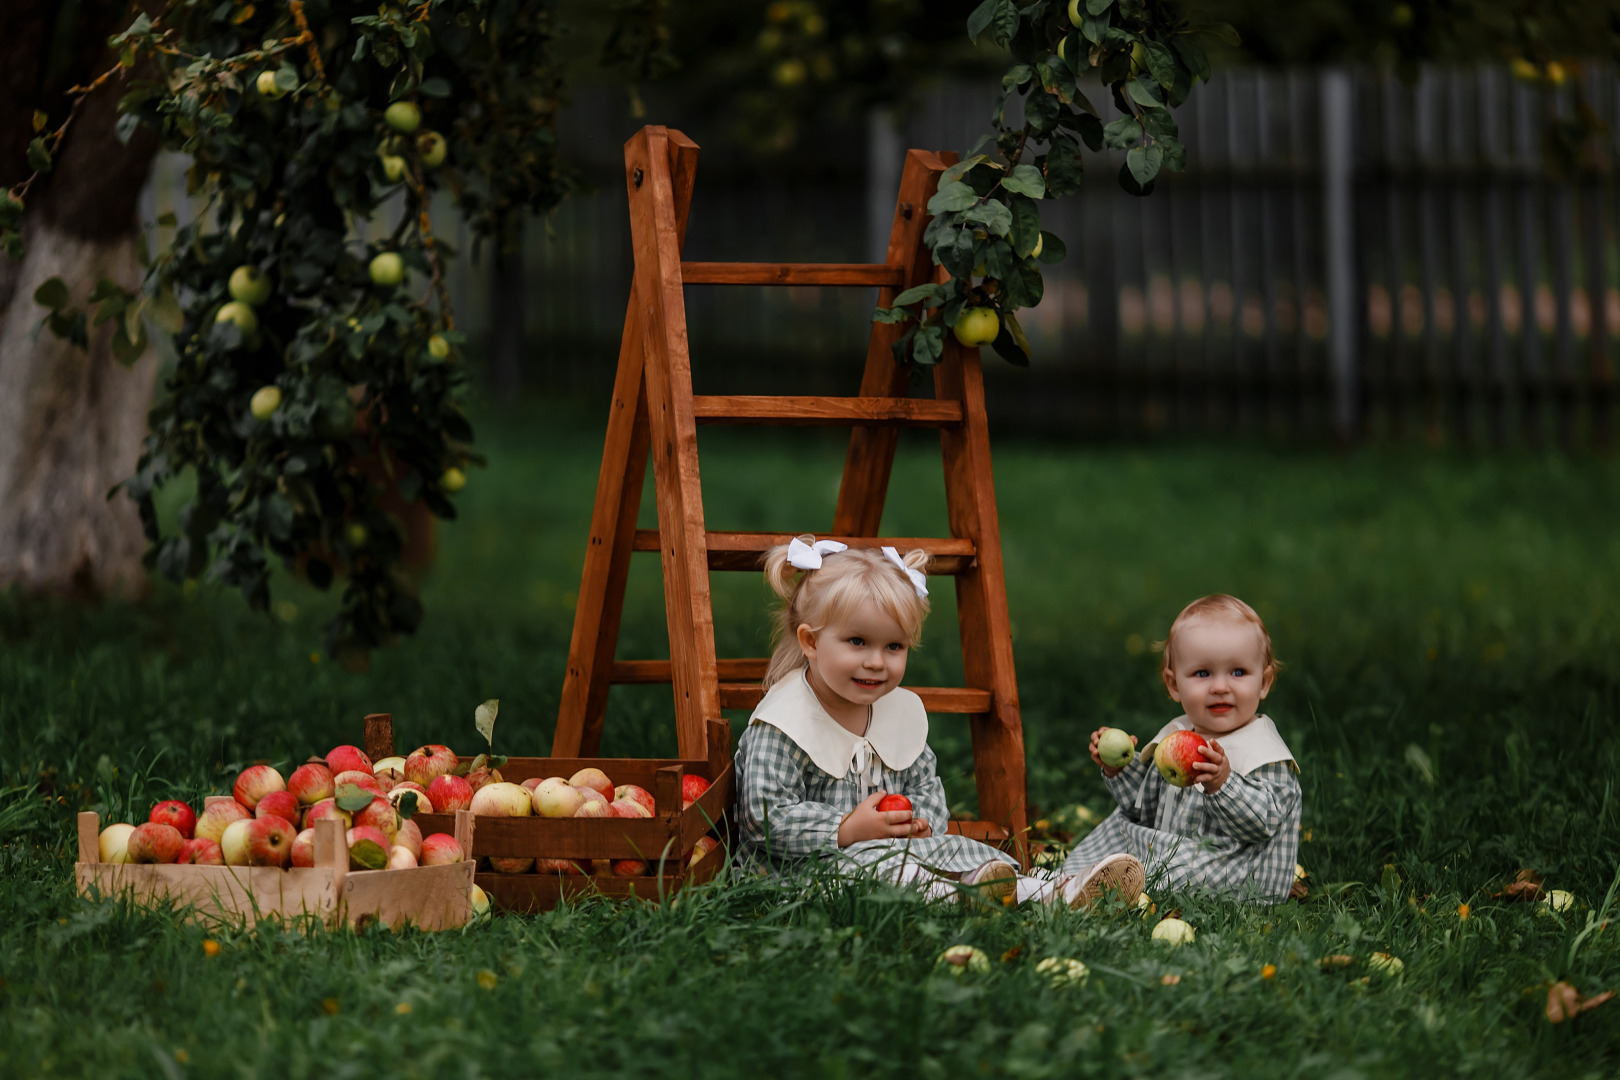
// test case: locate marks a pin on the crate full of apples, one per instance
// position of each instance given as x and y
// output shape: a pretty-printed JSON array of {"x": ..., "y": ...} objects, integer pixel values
[
  {"x": 326, "y": 840},
  {"x": 555, "y": 827}
]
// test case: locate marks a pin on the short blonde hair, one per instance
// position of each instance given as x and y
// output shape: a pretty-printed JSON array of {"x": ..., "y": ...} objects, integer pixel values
[
  {"x": 819, "y": 597},
  {"x": 1215, "y": 606}
]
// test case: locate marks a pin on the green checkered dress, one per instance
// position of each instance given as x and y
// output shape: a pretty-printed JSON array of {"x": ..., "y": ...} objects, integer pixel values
[
  {"x": 1243, "y": 840},
  {"x": 789, "y": 809}
]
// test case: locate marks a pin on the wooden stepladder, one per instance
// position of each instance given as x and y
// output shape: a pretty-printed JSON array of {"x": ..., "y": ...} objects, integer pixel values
[{"x": 654, "y": 410}]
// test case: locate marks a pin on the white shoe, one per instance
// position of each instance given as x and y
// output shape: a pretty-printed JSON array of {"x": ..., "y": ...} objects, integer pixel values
[
  {"x": 993, "y": 881},
  {"x": 1121, "y": 873}
]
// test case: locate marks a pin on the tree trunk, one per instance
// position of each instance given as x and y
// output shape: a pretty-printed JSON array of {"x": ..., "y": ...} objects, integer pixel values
[{"x": 71, "y": 420}]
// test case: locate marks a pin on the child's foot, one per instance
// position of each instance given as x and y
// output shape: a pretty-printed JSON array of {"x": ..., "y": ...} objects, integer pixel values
[
  {"x": 1121, "y": 873},
  {"x": 993, "y": 881}
]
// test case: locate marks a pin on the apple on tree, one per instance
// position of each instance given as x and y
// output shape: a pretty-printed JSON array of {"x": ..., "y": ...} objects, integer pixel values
[
  {"x": 977, "y": 326},
  {"x": 250, "y": 285},
  {"x": 238, "y": 314},
  {"x": 403, "y": 116},
  {"x": 386, "y": 269}
]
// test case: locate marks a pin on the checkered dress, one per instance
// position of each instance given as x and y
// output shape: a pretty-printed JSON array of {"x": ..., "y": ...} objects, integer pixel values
[
  {"x": 1242, "y": 840},
  {"x": 789, "y": 810}
]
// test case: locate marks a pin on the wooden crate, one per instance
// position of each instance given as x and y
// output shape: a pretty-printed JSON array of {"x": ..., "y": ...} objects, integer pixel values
[
  {"x": 668, "y": 837},
  {"x": 431, "y": 897}
]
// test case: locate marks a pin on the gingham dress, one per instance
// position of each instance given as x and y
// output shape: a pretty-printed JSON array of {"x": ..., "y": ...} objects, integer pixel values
[
  {"x": 789, "y": 809},
  {"x": 1243, "y": 840}
]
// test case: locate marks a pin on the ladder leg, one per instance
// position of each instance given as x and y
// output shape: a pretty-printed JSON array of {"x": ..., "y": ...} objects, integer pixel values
[
  {"x": 865, "y": 486},
  {"x": 683, "y": 543},
  {"x": 981, "y": 596},
  {"x": 600, "y": 605}
]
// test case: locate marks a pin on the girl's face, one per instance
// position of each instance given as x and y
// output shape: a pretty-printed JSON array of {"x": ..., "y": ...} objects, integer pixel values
[
  {"x": 855, "y": 661},
  {"x": 1219, "y": 674}
]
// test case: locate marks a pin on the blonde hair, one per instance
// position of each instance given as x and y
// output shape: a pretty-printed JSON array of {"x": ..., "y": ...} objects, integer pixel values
[
  {"x": 818, "y": 598},
  {"x": 1215, "y": 606}
]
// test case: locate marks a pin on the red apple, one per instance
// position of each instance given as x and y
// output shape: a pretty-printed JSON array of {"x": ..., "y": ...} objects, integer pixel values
[
  {"x": 255, "y": 783},
  {"x": 201, "y": 852},
  {"x": 629, "y": 868},
  {"x": 303, "y": 849},
  {"x": 893, "y": 802},
  {"x": 362, "y": 780},
  {"x": 595, "y": 779},
  {"x": 346, "y": 758},
  {"x": 1176, "y": 755},
  {"x": 311, "y": 783},
  {"x": 555, "y": 797},
  {"x": 638, "y": 794},
  {"x": 379, "y": 814},
  {"x": 502, "y": 800},
  {"x": 270, "y": 841},
  {"x": 704, "y": 845},
  {"x": 216, "y": 816},
  {"x": 598, "y": 807},
  {"x": 483, "y": 775},
  {"x": 426, "y": 762},
  {"x": 176, "y": 813},
  {"x": 628, "y": 808},
  {"x": 409, "y": 836},
  {"x": 283, "y": 804},
  {"x": 450, "y": 793},
  {"x": 155, "y": 842},
  {"x": 534, "y": 781},
  {"x": 503, "y": 864},
  {"x": 558, "y": 866},
  {"x": 401, "y": 858},
  {"x": 692, "y": 786},
  {"x": 368, "y": 848},
  {"x": 439, "y": 849},
  {"x": 592, "y": 795},
  {"x": 327, "y": 808}
]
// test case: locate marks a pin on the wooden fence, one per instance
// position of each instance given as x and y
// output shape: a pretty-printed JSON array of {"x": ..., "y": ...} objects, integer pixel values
[{"x": 1348, "y": 257}]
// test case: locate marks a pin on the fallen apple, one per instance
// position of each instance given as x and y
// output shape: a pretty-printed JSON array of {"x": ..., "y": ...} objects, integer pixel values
[
  {"x": 450, "y": 793},
  {"x": 959, "y": 960},
  {"x": 255, "y": 783},
  {"x": 176, "y": 813},
  {"x": 346, "y": 758},
  {"x": 704, "y": 845},
  {"x": 311, "y": 783},
  {"x": 218, "y": 815},
  {"x": 1385, "y": 964},
  {"x": 478, "y": 900},
  {"x": 425, "y": 763},
  {"x": 555, "y": 797},
  {"x": 440, "y": 849},
  {"x": 1062, "y": 971},
  {"x": 1176, "y": 755},
  {"x": 113, "y": 844},
  {"x": 1115, "y": 748},
  {"x": 154, "y": 842},
  {"x": 1173, "y": 931}
]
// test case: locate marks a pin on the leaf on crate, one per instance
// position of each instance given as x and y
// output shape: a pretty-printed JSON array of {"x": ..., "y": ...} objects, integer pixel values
[{"x": 484, "y": 719}]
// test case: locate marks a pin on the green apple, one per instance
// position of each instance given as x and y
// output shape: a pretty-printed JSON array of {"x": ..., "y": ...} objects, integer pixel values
[
  {"x": 240, "y": 315},
  {"x": 959, "y": 960},
  {"x": 250, "y": 285},
  {"x": 266, "y": 400},
  {"x": 431, "y": 148},
  {"x": 1040, "y": 242},
  {"x": 438, "y": 347},
  {"x": 1173, "y": 931},
  {"x": 267, "y": 86},
  {"x": 1115, "y": 748},
  {"x": 452, "y": 480},
  {"x": 387, "y": 269},
  {"x": 1077, "y": 13},
  {"x": 356, "y": 534},
  {"x": 393, "y": 167},
  {"x": 403, "y": 116},
  {"x": 977, "y": 326}
]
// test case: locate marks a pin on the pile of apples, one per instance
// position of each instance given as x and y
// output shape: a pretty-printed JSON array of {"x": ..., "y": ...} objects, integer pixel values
[
  {"x": 270, "y": 820},
  {"x": 587, "y": 794}
]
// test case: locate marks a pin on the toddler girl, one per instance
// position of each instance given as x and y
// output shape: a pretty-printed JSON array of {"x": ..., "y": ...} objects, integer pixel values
[
  {"x": 1236, "y": 829},
  {"x": 836, "y": 732}
]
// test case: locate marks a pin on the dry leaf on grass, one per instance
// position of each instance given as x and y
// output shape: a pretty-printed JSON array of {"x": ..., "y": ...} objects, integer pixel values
[
  {"x": 1564, "y": 1002},
  {"x": 1526, "y": 886}
]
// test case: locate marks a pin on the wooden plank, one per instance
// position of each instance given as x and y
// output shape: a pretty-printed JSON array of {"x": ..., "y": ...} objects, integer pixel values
[
  {"x": 640, "y": 672},
  {"x": 667, "y": 791},
  {"x": 224, "y": 893},
  {"x": 332, "y": 851},
  {"x": 625, "y": 450},
  {"x": 737, "y": 410},
  {"x": 986, "y": 832},
  {"x": 936, "y": 699},
  {"x": 676, "y": 475},
  {"x": 741, "y": 273},
  {"x": 575, "y": 838},
  {"x": 89, "y": 837},
  {"x": 542, "y": 892},
  {"x": 746, "y": 550},
  {"x": 865, "y": 484},
  {"x": 431, "y": 897},
  {"x": 379, "y": 736}
]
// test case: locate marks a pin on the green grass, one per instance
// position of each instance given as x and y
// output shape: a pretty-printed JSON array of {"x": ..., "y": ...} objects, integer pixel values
[{"x": 1448, "y": 627}]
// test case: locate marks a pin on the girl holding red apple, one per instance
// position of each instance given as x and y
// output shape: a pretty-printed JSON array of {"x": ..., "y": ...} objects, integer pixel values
[
  {"x": 1221, "y": 811},
  {"x": 836, "y": 733}
]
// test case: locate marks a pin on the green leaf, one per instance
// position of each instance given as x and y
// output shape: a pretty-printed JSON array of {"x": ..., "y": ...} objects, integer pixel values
[
  {"x": 1026, "y": 228},
  {"x": 436, "y": 87},
  {"x": 11, "y": 209},
  {"x": 928, "y": 291},
  {"x": 352, "y": 798},
  {"x": 929, "y": 345},
  {"x": 952, "y": 197},
  {"x": 367, "y": 855},
  {"x": 1005, "y": 24},
  {"x": 276, "y": 513},
  {"x": 1026, "y": 180},
  {"x": 1193, "y": 55},
  {"x": 890, "y": 316},
  {"x": 127, "y": 349},
  {"x": 1144, "y": 162},
  {"x": 1122, "y": 134},
  {"x": 1097, "y": 7},
  {"x": 979, "y": 20},
  {"x": 1052, "y": 248},
  {"x": 1224, "y": 33},
  {"x": 406, "y": 804},
  {"x": 165, "y": 310},
  {"x": 1161, "y": 62},
  {"x": 53, "y": 293},
  {"x": 993, "y": 214},
  {"x": 1094, "y": 28},
  {"x": 484, "y": 719},
  {"x": 1090, "y": 130},
  {"x": 286, "y": 78},
  {"x": 1175, "y": 154},
  {"x": 1010, "y": 343},
  {"x": 1017, "y": 76},
  {"x": 1145, "y": 92},
  {"x": 39, "y": 158},
  {"x": 1129, "y": 184},
  {"x": 960, "y": 170}
]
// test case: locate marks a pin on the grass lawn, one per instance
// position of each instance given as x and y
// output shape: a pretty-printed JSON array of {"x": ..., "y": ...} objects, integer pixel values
[{"x": 1449, "y": 628}]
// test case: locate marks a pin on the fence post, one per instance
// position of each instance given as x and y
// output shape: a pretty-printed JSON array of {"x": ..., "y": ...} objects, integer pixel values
[{"x": 1338, "y": 193}]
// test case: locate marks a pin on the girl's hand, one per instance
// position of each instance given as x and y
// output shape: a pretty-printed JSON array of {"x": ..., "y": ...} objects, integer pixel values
[
  {"x": 1106, "y": 771},
  {"x": 1213, "y": 770},
  {"x": 867, "y": 822}
]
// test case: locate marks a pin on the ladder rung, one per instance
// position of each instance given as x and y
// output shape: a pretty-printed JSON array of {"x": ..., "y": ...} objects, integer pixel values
[
  {"x": 745, "y": 550},
  {"x": 827, "y": 411},
  {"x": 741, "y": 273},
  {"x": 657, "y": 671},
  {"x": 936, "y": 699}
]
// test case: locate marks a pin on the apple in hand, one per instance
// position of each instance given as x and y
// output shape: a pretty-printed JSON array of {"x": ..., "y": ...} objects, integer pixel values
[
  {"x": 200, "y": 852},
  {"x": 311, "y": 783},
  {"x": 283, "y": 804},
  {"x": 555, "y": 797},
  {"x": 176, "y": 813},
  {"x": 1176, "y": 756},
  {"x": 450, "y": 793},
  {"x": 426, "y": 762},
  {"x": 440, "y": 849},
  {"x": 502, "y": 800},
  {"x": 1115, "y": 748},
  {"x": 595, "y": 779},
  {"x": 638, "y": 794},
  {"x": 216, "y": 816},
  {"x": 893, "y": 802},
  {"x": 347, "y": 758},
  {"x": 255, "y": 783},
  {"x": 692, "y": 786},
  {"x": 155, "y": 842}
]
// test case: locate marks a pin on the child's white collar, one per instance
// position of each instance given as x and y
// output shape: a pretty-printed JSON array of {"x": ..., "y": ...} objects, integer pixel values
[
  {"x": 896, "y": 736},
  {"x": 1249, "y": 747}
]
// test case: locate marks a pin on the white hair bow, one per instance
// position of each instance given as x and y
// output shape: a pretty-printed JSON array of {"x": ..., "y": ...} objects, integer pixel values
[
  {"x": 918, "y": 580},
  {"x": 808, "y": 556}
]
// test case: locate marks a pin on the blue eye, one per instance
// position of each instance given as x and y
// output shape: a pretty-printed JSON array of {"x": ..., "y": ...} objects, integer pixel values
[
  {"x": 1201, "y": 673},
  {"x": 857, "y": 641},
  {"x": 1238, "y": 673}
]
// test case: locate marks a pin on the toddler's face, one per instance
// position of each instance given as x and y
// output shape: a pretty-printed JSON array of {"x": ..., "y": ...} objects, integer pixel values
[
  {"x": 1219, "y": 671},
  {"x": 858, "y": 659}
]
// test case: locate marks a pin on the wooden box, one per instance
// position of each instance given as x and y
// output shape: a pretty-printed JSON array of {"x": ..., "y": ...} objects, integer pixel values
[
  {"x": 663, "y": 841},
  {"x": 431, "y": 897}
]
